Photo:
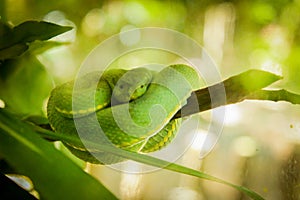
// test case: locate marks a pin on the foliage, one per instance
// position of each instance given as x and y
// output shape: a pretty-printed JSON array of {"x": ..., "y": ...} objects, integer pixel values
[{"x": 264, "y": 36}]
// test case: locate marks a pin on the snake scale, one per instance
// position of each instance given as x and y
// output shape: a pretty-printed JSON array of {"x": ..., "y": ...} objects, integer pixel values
[{"x": 133, "y": 109}]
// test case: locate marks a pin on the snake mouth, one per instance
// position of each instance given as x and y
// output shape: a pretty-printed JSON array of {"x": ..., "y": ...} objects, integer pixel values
[
  {"x": 130, "y": 95},
  {"x": 139, "y": 91}
]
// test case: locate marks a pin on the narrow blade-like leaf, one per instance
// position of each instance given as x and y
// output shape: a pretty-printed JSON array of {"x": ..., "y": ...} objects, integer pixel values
[
  {"x": 142, "y": 158},
  {"x": 54, "y": 176}
]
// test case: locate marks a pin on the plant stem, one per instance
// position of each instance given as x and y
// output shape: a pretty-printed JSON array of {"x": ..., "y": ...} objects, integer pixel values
[{"x": 274, "y": 95}]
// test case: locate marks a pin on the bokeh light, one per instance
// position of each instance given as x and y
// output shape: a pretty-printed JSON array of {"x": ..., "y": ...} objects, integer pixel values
[
  {"x": 2, "y": 104},
  {"x": 93, "y": 22},
  {"x": 129, "y": 35}
]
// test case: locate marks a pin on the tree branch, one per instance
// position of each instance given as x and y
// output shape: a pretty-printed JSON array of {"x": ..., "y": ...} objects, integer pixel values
[
  {"x": 275, "y": 95},
  {"x": 247, "y": 85}
]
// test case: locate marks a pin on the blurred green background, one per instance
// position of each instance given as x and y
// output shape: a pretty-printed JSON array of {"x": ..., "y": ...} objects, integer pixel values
[
  {"x": 259, "y": 147},
  {"x": 237, "y": 34}
]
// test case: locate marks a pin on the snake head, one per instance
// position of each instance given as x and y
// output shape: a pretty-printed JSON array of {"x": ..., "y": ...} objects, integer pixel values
[{"x": 132, "y": 85}]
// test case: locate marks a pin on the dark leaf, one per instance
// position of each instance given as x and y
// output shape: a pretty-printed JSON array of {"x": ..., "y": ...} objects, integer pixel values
[
  {"x": 14, "y": 41},
  {"x": 39, "y": 47},
  {"x": 30, "y": 31},
  {"x": 10, "y": 190},
  {"x": 13, "y": 51}
]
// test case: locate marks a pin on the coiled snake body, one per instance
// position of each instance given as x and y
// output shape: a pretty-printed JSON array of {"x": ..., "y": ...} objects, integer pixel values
[{"x": 140, "y": 118}]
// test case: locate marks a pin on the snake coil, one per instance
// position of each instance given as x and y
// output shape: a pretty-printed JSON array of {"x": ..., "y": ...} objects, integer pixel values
[{"x": 133, "y": 109}]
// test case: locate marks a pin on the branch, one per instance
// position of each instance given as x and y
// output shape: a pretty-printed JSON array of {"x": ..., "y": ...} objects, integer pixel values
[
  {"x": 275, "y": 95},
  {"x": 247, "y": 85}
]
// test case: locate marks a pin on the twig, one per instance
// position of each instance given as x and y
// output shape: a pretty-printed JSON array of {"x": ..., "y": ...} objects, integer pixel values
[{"x": 275, "y": 95}]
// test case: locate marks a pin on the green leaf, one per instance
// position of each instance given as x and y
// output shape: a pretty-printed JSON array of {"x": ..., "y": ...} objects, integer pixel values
[
  {"x": 13, "y": 51},
  {"x": 38, "y": 47},
  {"x": 250, "y": 81},
  {"x": 14, "y": 41},
  {"x": 25, "y": 85},
  {"x": 30, "y": 31},
  {"x": 232, "y": 90},
  {"x": 144, "y": 159},
  {"x": 54, "y": 176},
  {"x": 5, "y": 167},
  {"x": 5, "y": 31}
]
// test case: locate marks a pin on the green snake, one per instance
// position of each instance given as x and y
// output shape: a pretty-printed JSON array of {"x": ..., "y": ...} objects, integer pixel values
[{"x": 133, "y": 109}]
